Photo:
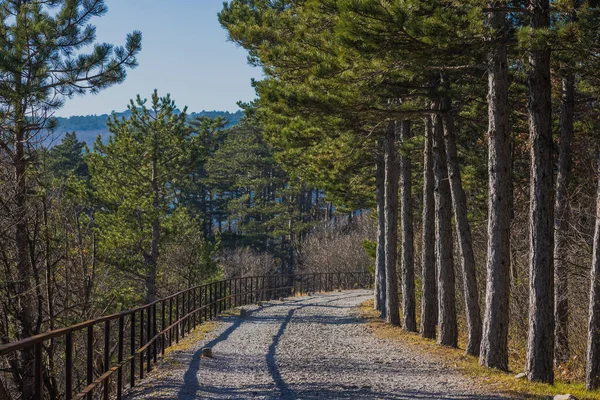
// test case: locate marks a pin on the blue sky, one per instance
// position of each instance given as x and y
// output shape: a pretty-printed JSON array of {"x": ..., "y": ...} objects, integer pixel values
[{"x": 185, "y": 52}]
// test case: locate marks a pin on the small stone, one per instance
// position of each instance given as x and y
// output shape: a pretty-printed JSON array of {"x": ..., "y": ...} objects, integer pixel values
[
  {"x": 565, "y": 397},
  {"x": 260, "y": 303},
  {"x": 281, "y": 299},
  {"x": 243, "y": 312},
  {"x": 207, "y": 352},
  {"x": 522, "y": 375}
]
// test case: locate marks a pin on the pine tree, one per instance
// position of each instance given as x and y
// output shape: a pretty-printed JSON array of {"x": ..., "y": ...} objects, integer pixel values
[
  {"x": 137, "y": 175},
  {"x": 41, "y": 65}
]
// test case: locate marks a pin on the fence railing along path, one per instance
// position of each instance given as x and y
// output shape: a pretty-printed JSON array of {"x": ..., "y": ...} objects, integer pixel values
[{"x": 101, "y": 357}]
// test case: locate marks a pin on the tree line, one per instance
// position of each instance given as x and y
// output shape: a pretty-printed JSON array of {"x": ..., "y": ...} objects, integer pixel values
[{"x": 496, "y": 101}]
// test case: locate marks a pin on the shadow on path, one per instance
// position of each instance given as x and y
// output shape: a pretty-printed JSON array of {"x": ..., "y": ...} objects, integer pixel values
[{"x": 191, "y": 385}]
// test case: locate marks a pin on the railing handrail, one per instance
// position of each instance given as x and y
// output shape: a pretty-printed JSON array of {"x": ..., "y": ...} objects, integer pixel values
[{"x": 203, "y": 301}]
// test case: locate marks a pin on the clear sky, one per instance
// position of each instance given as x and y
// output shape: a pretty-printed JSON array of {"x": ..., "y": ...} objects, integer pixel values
[{"x": 185, "y": 52}]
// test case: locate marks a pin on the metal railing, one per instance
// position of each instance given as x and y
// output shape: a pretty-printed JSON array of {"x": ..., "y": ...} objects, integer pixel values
[{"x": 147, "y": 331}]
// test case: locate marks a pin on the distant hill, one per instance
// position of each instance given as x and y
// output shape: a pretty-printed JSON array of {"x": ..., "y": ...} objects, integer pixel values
[{"x": 89, "y": 127}]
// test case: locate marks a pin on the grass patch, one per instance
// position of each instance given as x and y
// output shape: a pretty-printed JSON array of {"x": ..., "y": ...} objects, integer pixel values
[{"x": 496, "y": 380}]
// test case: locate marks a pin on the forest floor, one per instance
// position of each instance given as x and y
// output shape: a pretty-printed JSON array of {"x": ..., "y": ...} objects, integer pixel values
[{"x": 312, "y": 347}]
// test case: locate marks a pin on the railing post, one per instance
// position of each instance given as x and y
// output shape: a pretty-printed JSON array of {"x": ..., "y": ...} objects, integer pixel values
[
  {"x": 162, "y": 328},
  {"x": 154, "y": 332},
  {"x": 170, "y": 321},
  {"x": 38, "y": 371},
  {"x": 223, "y": 295},
  {"x": 106, "y": 356},
  {"x": 132, "y": 351},
  {"x": 183, "y": 314},
  {"x": 148, "y": 338},
  {"x": 228, "y": 291},
  {"x": 142, "y": 344},
  {"x": 69, "y": 366},
  {"x": 120, "y": 357},
  {"x": 195, "y": 307},
  {"x": 176, "y": 319},
  {"x": 189, "y": 311},
  {"x": 203, "y": 301},
  {"x": 213, "y": 300},
  {"x": 90, "y": 358}
]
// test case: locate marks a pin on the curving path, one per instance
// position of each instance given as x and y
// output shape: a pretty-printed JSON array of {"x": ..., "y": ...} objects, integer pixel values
[{"x": 304, "y": 348}]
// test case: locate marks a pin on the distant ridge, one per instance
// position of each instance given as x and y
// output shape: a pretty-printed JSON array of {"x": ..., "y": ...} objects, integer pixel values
[{"x": 88, "y": 127}]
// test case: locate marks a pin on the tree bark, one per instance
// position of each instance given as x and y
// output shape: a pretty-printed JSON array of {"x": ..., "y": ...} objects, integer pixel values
[
  {"x": 429, "y": 300},
  {"x": 494, "y": 344},
  {"x": 24, "y": 290},
  {"x": 540, "y": 341},
  {"x": 380, "y": 256},
  {"x": 391, "y": 226},
  {"x": 465, "y": 241},
  {"x": 592, "y": 373},
  {"x": 561, "y": 214},
  {"x": 408, "y": 261},
  {"x": 447, "y": 324}
]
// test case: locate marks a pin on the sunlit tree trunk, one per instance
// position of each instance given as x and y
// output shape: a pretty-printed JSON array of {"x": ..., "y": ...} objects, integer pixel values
[
  {"x": 429, "y": 299},
  {"x": 561, "y": 214},
  {"x": 380, "y": 256},
  {"x": 465, "y": 242},
  {"x": 592, "y": 374},
  {"x": 540, "y": 341},
  {"x": 391, "y": 226},
  {"x": 494, "y": 344},
  {"x": 408, "y": 262},
  {"x": 447, "y": 324}
]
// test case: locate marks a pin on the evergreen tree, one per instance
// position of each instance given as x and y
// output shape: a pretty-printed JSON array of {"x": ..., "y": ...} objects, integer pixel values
[
  {"x": 138, "y": 176},
  {"x": 41, "y": 64}
]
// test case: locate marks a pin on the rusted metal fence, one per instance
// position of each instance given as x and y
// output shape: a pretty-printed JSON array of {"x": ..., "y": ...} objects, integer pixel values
[{"x": 101, "y": 357}]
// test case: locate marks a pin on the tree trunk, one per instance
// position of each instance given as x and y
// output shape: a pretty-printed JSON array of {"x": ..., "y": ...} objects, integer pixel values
[
  {"x": 561, "y": 214},
  {"x": 540, "y": 340},
  {"x": 152, "y": 263},
  {"x": 391, "y": 226},
  {"x": 592, "y": 373},
  {"x": 408, "y": 262},
  {"x": 24, "y": 290},
  {"x": 465, "y": 242},
  {"x": 380, "y": 256},
  {"x": 494, "y": 344},
  {"x": 447, "y": 324},
  {"x": 152, "y": 258},
  {"x": 429, "y": 299}
]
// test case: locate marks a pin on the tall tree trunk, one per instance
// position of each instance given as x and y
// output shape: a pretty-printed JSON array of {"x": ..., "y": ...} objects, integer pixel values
[
  {"x": 494, "y": 344},
  {"x": 429, "y": 300},
  {"x": 561, "y": 213},
  {"x": 152, "y": 258},
  {"x": 408, "y": 262},
  {"x": 152, "y": 264},
  {"x": 592, "y": 373},
  {"x": 447, "y": 324},
  {"x": 465, "y": 242},
  {"x": 380, "y": 256},
  {"x": 24, "y": 290},
  {"x": 540, "y": 340},
  {"x": 391, "y": 226}
]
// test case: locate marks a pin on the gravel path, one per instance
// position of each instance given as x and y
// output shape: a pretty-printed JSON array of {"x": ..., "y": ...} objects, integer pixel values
[{"x": 304, "y": 348}]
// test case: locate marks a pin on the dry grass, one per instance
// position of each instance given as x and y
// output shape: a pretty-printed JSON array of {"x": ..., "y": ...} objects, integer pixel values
[
  {"x": 469, "y": 366},
  {"x": 196, "y": 335}
]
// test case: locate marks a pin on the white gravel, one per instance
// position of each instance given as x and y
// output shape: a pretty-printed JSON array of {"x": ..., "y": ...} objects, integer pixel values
[{"x": 304, "y": 348}]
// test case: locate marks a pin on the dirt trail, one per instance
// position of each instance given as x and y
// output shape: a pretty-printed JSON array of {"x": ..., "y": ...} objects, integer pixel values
[{"x": 304, "y": 348}]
